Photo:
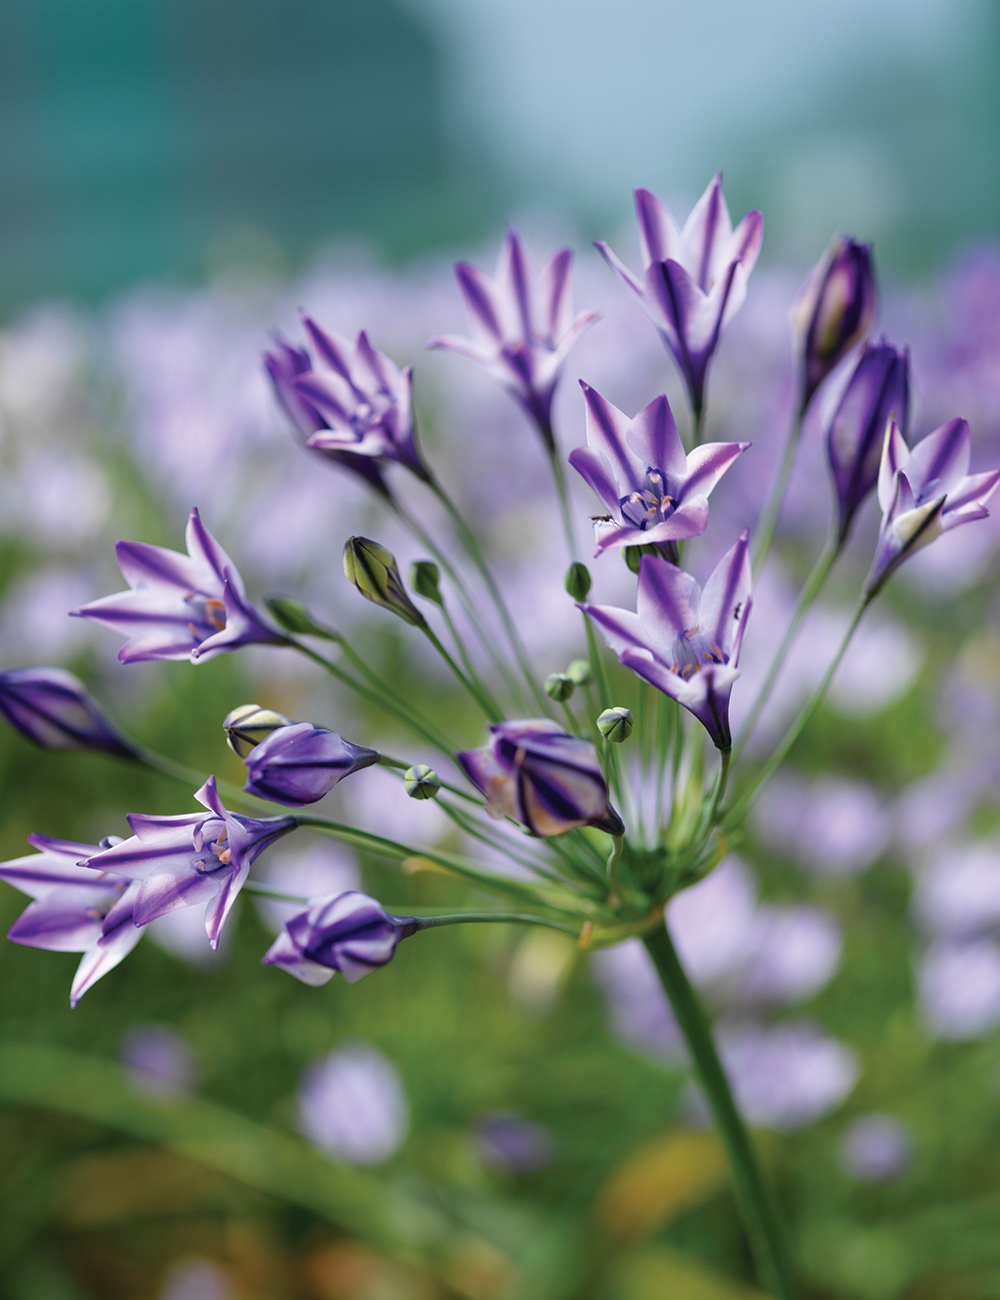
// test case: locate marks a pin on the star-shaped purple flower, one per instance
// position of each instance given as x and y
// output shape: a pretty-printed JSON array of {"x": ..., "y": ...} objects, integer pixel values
[
  {"x": 653, "y": 492},
  {"x": 925, "y": 492},
  {"x": 202, "y": 857},
  {"x": 357, "y": 400},
  {"x": 522, "y": 327},
  {"x": 350, "y": 933},
  {"x": 695, "y": 279},
  {"x": 180, "y": 606},
  {"x": 75, "y": 910},
  {"x": 684, "y": 641}
]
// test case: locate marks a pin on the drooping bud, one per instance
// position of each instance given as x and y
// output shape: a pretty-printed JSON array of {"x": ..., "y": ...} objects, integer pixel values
[
  {"x": 878, "y": 389},
  {"x": 54, "y": 709},
  {"x": 578, "y": 580},
  {"x": 292, "y": 616},
  {"x": 615, "y": 724},
  {"x": 580, "y": 672},
  {"x": 375, "y": 573},
  {"x": 350, "y": 933},
  {"x": 421, "y": 782},
  {"x": 559, "y": 686},
  {"x": 299, "y": 764},
  {"x": 249, "y": 724},
  {"x": 424, "y": 579},
  {"x": 833, "y": 311}
]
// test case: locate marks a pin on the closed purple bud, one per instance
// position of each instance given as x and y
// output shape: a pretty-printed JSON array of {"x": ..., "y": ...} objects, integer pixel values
[
  {"x": 299, "y": 764},
  {"x": 350, "y": 933},
  {"x": 833, "y": 311},
  {"x": 878, "y": 389},
  {"x": 54, "y": 709},
  {"x": 538, "y": 775}
]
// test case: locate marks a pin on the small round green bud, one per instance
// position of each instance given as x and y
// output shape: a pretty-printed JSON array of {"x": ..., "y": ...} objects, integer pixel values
[
  {"x": 578, "y": 581},
  {"x": 375, "y": 573},
  {"x": 248, "y": 725},
  {"x": 421, "y": 782},
  {"x": 559, "y": 686},
  {"x": 615, "y": 724},
  {"x": 424, "y": 578},
  {"x": 580, "y": 672}
]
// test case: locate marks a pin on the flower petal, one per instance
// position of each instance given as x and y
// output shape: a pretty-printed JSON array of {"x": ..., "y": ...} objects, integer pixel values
[
  {"x": 653, "y": 438},
  {"x": 607, "y": 430},
  {"x": 942, "y": 457}
]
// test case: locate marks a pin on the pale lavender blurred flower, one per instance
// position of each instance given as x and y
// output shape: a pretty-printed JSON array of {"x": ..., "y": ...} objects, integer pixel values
[
  {"x": 959, "y": 893},
  {"x": 695, "y": 279},
  {"x": 352, "y": 1105},
  {"x": 179, "y": 606},
  {"x": 198, "y": 1279},
  {"x": 832, "y": 312},
  {"x": 683, "y": 641},
  {"x": 640, "y": 1013},
  {"x": 832, "y": 825},
  {"x": 654, "y": 493},
  {"x": 523, "y": 327},
  {"x": 795, "y": 952},
  {"x": 54, "y": 709},
  {"x": 713, "y": 922},
  {"x": 876, "y": 1149},
  {"x": 959, "y": 988},
  {"x": 194, "y": 858},
  {"x": 512, "y": 1144},
  {"x": 158, "y": 1060},
  {"x": 322, "y": 868}
]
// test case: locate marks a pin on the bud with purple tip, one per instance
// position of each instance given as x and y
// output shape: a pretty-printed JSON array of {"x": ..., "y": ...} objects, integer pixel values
[
  {"x": 350, "y": 933},
  {"x": 54, "y": 709},
  {"x": 299, "y": 764},
  {"x": 538, "y": 775},
  {"x": 878, "y": 389},
  {"x": 833, "y": 311}
]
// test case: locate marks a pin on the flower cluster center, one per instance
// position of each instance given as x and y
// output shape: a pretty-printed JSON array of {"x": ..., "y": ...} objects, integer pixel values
[
  {"x": 211, "y": 845},
  {"x": 652, "y": 505},
  {"x": 693, "y": 652},
  {"x": 209, "y": 615}
]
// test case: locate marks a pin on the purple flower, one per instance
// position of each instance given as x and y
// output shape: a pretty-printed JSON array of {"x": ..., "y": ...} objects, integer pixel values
[
  {"x": 654, "y": 493},
  {"x": 301, "y": 763},
  {"x": 357, "y": 401},
  {"x": 523, "y": 327},
  {"x": 536, "y": 774},
  {"x": 695, "y": 279},
  {"x": 512, "y": 1144},
  {"x": 876, "y": 1149},
  {"x": 54, "y": 709},
  {"x": 350, "y": 933},
  {"x": 833, "y": 311},
  {"x": 180, "y": 606},
  {"x": 352, "y": 1105},
  {"x": 75, "y": 910},
  {"x": 878, "y": 389},
  {"x": 683, "y": 641},
  {"x": 194, "y": 858},
  {"x": 158, "y": 1060},
  {"x": 284, "y": 364},
  {"x": 924, "y": 493}
]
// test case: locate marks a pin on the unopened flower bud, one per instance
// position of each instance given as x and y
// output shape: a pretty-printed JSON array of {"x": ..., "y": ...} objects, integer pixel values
[
  {"x": 615, "y": 724},
  {"x": 249, "y": 725},
  {"x": 292, "y": 616},
  {"x": 373, "y": 570},
  {"x": 580, "y": 672},
  {"x": 559, "y": 686},
  {"x": 54, "y": 709},
  {"x": 578, "y": 580},
  {"x": 421, "y": 782},
  {"x": 632, "y": 555},
  {"x": 833, "y": 311},
  {"x": 424, "y": 579},
  {"x": 300, "y": 763}
]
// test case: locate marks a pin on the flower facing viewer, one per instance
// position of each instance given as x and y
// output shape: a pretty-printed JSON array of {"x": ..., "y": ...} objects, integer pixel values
[
  {"x": 350, "y": 933},
  {"x": 682, "y": 640},
  {"x": 695, "y": 279},
  {"x": 536, "y": 774},
  {"x": 75, "y": 909},
  {"x": 523, "y": 327},
  {"x": 925, "y": 492},
  {"x": 54, "y": 709},
  {"x": 179, "y": 606},
  {"x": 653, "y": 492},
  {"x": 301, "y": 763},
  {"x": 201, "y": 857}
]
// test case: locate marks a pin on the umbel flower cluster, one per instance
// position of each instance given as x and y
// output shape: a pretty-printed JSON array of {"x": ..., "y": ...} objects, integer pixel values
[{"x": 555, "y": 760}]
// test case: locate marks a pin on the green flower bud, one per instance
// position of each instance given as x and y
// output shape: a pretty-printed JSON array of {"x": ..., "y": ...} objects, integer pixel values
[
  {"x": 633, "y": 554},
  {"x": 580, "y": 672},
  {"x": 373, "y": 570},
  {"x": 578, "y": 581},
  {"x": 559, "y": 686},
  {"x": 293, "y": 616},
  {"x": 248, "y": 725},
  {"x": 424, "y": 578},
  {"x": 615, "y": 724},
  {"x": 421, "y": 782}
]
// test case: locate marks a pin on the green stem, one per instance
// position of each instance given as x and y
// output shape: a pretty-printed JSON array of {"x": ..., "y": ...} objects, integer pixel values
[
  {"x": 564, "y": 506},
  {"x": 807, "y": 596},
  {"x": 466, "y": 659},
  {"x": 768, "y": 522},
  {"x": 191, "y": 776},
  {"x": 739, "y": 810},
  {"x": 725, "y": 756},
  {"x": 510, "y": 918},
  {"x": 485, "y": 703},
  {"x": 753, "y": 1197},
  {"x": 401, "y": 765}
]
